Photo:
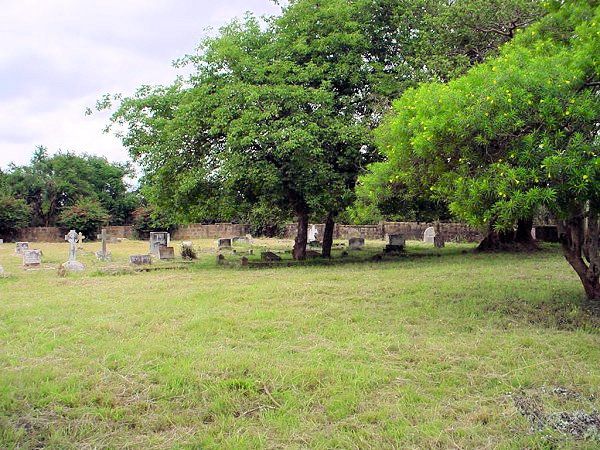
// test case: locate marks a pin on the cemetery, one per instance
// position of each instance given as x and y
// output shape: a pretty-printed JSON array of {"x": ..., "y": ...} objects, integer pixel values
[{"x": 341, "y": 224}]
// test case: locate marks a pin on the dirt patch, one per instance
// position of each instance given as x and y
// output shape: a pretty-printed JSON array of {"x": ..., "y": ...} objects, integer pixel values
[{"x": 543, "y": 409}]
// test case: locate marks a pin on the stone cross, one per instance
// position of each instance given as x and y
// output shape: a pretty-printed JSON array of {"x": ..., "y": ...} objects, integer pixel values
[
  {"x": 80, "y": 238},
  {"x": 72, "y": 239},
  {"x": 104, "y": 236}
]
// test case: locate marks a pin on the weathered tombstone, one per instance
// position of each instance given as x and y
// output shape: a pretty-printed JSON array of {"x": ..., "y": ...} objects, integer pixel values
[
  {"x": 103, "y": 254},
  {"x": 313, "y": 232},
  {"x": 140, "y": 260},
  {"x": 187, "y": 244},
  {"x": 1, "y": 241},
  {"x": 80, "y": 238},
  {"x": 166, "y": 252},
  {"x": 220, "y": 259},
  {"x": 157, "y": 239},
  {"x": 240, "y": 239},
  {"x": 32, "y": 258},
  {"x": 244, "y": 261},
  {"x": 269, "y": 256},
  {"x": 223, "y": 243},
  {"x": 72, "y": 264},
  {"x": 20, "y": 247},
  {"x": 396, "y": 243},
  {"x": 356, "y": 243},
  {"x": 429, "y": 235}
]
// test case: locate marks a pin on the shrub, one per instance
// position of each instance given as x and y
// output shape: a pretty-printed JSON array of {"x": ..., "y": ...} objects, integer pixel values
[
  {"x": 86, "y": 216},
  {"x": 14, "y": 215}
]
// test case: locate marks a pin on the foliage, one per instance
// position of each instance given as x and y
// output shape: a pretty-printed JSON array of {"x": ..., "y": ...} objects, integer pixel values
[
  {"x": 50, "y": 184},
  {"x": 515, "y": 134},
  {"x": 14, "y": 215},
  {"x": 281, "y": 112},
  {"x": 86, "y": 216}
]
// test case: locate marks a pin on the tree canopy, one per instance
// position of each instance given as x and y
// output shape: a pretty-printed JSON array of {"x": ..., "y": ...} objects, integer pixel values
[{"x": 515, "y": 134}]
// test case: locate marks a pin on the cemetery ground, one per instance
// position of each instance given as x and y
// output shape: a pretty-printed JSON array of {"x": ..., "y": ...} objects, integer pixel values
[{"x": 438, "y": 349}]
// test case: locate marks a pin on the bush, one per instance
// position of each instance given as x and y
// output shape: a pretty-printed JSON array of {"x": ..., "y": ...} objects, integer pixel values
[
  {"x": 86, "y": 216},
  {"x": 14, "y": 215}
]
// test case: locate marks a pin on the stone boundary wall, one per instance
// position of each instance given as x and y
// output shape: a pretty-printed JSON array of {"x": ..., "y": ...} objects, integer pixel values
[
  {"x": 411, "y": 230},
  {"x": 215, "y": 231},
  {"x": 459, "y": 232}
]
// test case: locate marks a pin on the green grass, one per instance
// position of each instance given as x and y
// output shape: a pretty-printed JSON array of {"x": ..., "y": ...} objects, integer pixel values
[{"x": 422, "y": 352}]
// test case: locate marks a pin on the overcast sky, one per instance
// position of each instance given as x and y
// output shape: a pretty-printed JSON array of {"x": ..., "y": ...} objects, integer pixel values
[{"x": 58, "y": 57}]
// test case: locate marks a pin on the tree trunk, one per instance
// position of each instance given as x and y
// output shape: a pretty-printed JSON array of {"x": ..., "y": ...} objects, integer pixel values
[
  {"x": 328, "y": 236},
  {"x": 299, "y": 252},
  {"x": 523, "y": 233},
  {"x": 580, "y": 243}
]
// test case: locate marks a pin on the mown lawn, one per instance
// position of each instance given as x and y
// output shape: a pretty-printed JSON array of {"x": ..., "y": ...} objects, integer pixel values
[{"x": 428, "y": 351}]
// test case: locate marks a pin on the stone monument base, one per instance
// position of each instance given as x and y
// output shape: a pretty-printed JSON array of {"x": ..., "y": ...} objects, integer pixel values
[{"x": 74, "y": 266}]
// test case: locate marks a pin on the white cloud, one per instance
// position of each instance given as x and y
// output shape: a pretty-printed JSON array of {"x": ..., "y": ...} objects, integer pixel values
[{"x": 59, "y": 56}]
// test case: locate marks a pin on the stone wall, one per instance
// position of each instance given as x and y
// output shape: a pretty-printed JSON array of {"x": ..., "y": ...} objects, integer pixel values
[
  {"x": 217, "y": 230},
  {"x": 411, "y": 230}
]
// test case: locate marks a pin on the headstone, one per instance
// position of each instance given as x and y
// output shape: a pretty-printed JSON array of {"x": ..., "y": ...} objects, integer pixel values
[
  {"x": 356, "y": 243},
  {"x": 103, "y": 254},
  {"x": 140, "y": 260},
  {"x": 20, "y": 247},
  {"x": 240, "y": 239},
  {"x": 220, "y": 259},
  {"x": 187, "y": 244},
  {"x": 396, "y": 243},
  {"x": 223, "y": 243},
  {"x": 269, "y": 256},
  {"x": 72, "y": 264},
  {"x": 166, "y": 252},
  {"x": 157, "y": 239},
  {"x": 80, "y": 238},
  {"x": 1, "y": 241},
  {"x": 313, "y": 232},
  {"x": 32, "y": 258},
  {"x": 244, "y": 262},
  {"x": 429, "y": 235}
]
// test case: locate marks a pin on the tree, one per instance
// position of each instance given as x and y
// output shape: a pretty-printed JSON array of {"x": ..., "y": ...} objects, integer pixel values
[
  {"x": 14, "y": 215},
  {"x": 514, "y": 135},
  {"x": 49, "y": 184},
  {"x": 280, "y": 113},
  {"x": 86, "y": 215}
]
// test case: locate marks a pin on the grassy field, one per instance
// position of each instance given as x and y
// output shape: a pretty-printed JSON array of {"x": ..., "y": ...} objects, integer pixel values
[{"x": 435, "y": 350}]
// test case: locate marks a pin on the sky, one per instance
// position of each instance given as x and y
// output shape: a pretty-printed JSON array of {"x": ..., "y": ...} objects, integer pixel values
[{"x": 58, "y": 57}]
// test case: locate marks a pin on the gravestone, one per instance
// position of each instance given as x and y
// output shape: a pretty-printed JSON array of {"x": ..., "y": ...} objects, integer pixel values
[
  {"x": 429, "y": 235},
  {"x": 396, "y": 243},
  {"x": 140, "y": 260},
  {"x": 166, "y": 252},
  {"x": 244, "y": 261},
  {"x": 223, "y": 243},
  {"x": 1, "y": 241},
  {"x": 72, "y": 264},
  {"x": 188, "y": 244},
  {"x": 269, "y": 256},
  {"x": 20, "y": 247},
  {"x": 356, "y": 243},
  {"x": 157, "y": 239},
  {"x": 240, "y": 239},
  {"x": 32, "y": 258},
  {"x": 80, "y": 238},
  {"x": 313, "y": 232},
  {"x": 103, "y": 254}
]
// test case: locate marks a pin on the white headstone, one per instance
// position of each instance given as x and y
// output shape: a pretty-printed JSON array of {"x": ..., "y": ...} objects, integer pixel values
[
  {"x": 20, "y": 247},
  {"x": 158, "y": 238},
  {"x": 103, "y": 254},
  {"x": 429, "y": 235},
  {"x": 313, "y": 232}
]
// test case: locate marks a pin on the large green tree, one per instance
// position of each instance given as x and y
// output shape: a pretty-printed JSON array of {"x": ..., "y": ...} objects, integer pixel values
[
  {"x": 514, "y": 135},
  {"x": 280, "y": 113}
]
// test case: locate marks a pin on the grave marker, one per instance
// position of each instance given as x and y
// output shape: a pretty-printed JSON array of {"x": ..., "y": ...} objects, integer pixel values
[
  {"x": 157, "y": 239},
  {"x": 32, "y": 258},
  {"x": 72, "y": 264},
  {"x": 223, "y": 243},
  {"x": 356, "y": 243},
  {"x": 103, "y": 254},
  {"x": 20, "y": 247},
  {"x": 140, "y": 260},
  {"x": 429, "y": 235},
  {"x": 166, "y": 252}
]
